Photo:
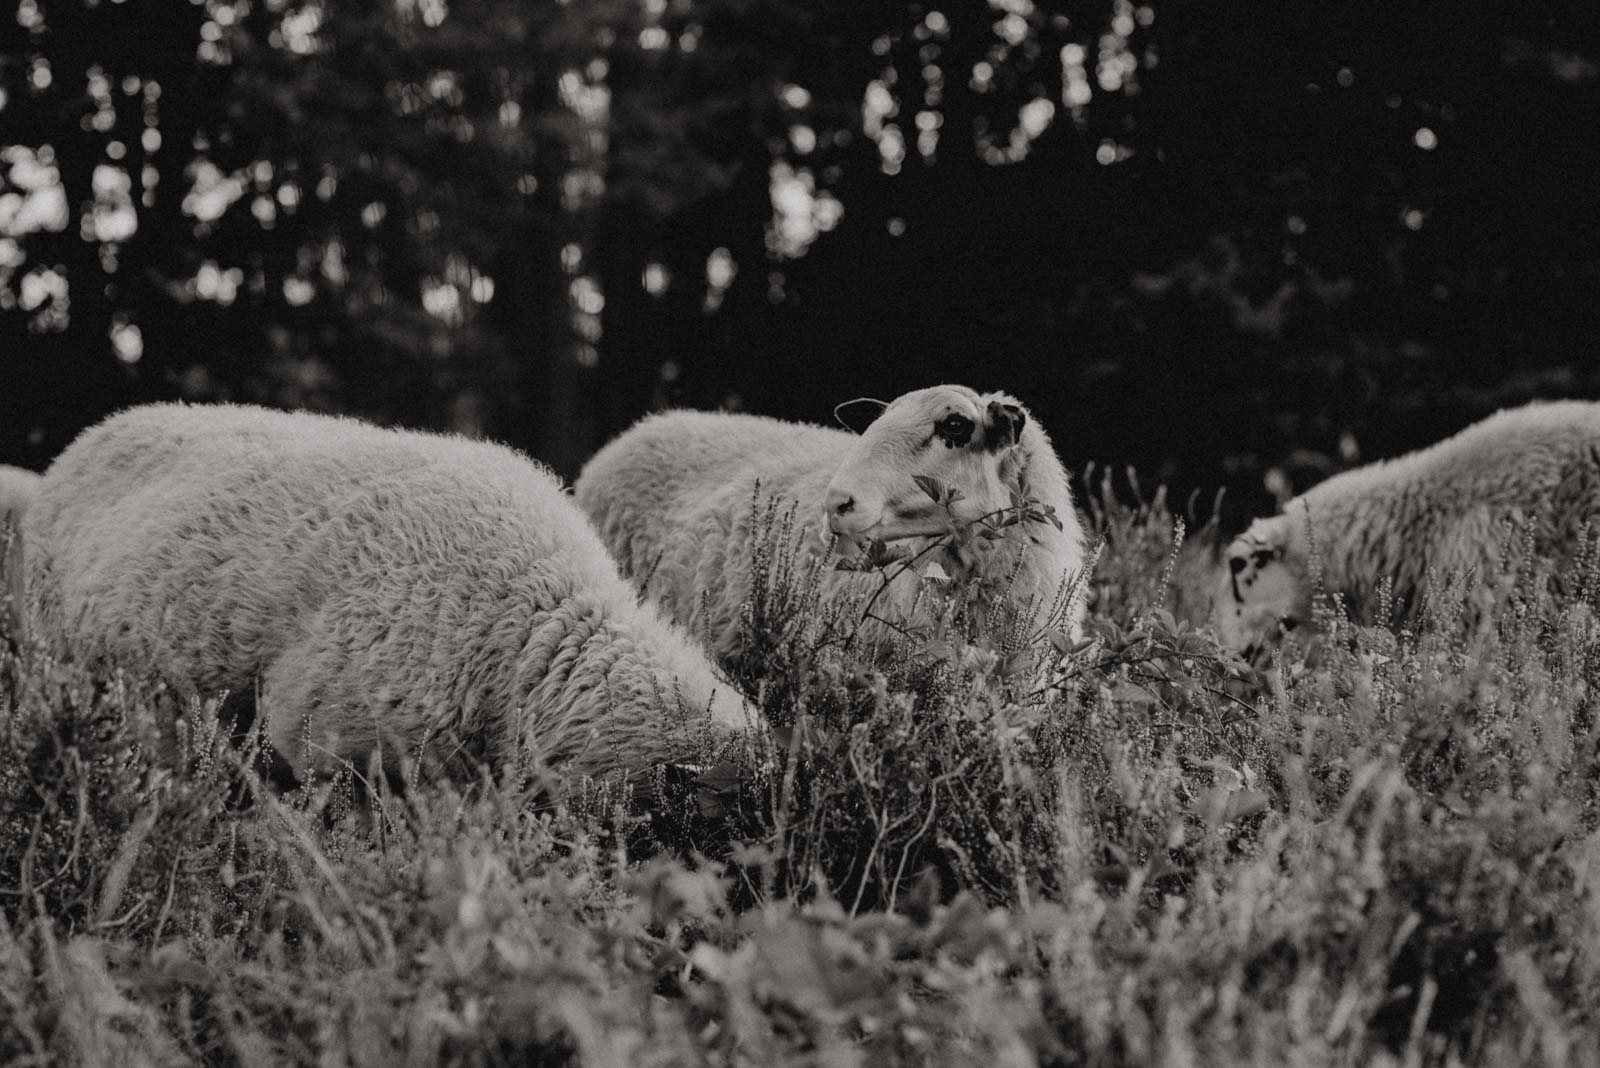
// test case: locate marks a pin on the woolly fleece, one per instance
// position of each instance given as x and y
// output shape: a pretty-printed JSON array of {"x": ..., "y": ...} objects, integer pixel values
[
  {"x": 380, "y": 584},
  {"x": 1461, "y": 504},
  {"x": 672, "y": 498}
]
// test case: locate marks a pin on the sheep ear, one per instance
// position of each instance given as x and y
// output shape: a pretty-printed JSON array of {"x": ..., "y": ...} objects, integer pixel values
[
  {"x": 1005, "y": 424},
  {"x": 858, "y": 414}
]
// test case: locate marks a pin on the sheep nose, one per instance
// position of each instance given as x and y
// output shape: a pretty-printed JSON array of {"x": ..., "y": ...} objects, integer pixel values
[
  {"x": 1236, "y": 564},
  {"x": 841, "y": 511}
]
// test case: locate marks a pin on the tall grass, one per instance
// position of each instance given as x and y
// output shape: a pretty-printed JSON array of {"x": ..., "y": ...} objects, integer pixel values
[{"x": 987, "y": 842}]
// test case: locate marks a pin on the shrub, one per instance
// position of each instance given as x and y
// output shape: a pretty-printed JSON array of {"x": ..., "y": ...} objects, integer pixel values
[{"x": 985, "y": 842}]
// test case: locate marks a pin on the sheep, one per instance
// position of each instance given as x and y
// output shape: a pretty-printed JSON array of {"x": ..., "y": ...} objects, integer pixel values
[
  {"x": 1462, "y": 505},
  {"x": 672, "y": 498},
  {"x": 385, "y": 588},
  {"x": 17, "y": 487}
]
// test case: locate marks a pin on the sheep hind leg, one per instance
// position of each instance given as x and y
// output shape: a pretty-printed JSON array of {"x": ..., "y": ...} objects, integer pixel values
[
  {"x": 238, "y": 713},
  {"x": 320, "y": 743},
  {"x": 342, "y": 783}
]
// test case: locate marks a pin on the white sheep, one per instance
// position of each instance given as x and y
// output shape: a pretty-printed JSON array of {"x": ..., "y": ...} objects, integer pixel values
[
  {"x": 1462, "y": 505},
  {"x": 672, "y": 497},
  {"x": 17, "y": 487},
  {"x": 384, "y": 588}
]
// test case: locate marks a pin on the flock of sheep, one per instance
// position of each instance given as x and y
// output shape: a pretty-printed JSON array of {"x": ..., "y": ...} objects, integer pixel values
[{"x": 390, "y": 592}]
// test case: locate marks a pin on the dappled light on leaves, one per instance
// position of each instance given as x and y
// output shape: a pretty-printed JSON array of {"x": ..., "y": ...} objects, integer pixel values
[
  {"x": 1127, "y": 193},
  {"x": 127, "y": 340},
  {"x": 799, "y": 212},
  {"x": 33, "y": 198}
]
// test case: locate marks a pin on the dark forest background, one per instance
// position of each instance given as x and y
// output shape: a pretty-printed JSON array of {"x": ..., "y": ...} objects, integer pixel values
[{"x": 1229, "y": 243}]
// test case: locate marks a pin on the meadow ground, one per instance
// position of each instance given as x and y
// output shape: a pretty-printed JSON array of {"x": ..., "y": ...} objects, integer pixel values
[{"x": 1000, "y": 846}]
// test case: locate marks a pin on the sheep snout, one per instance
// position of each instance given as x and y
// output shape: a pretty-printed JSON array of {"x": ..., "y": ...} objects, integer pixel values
[{"x": 846, "y": 514}]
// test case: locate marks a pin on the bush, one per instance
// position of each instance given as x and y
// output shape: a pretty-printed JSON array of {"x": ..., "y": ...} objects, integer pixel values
[{"x": 986, "y": 842}]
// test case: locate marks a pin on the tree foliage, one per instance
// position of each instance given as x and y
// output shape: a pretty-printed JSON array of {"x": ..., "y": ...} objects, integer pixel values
[{"x": 1222, "y": 241}]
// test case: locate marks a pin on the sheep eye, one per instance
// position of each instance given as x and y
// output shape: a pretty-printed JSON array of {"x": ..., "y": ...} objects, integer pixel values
[{"x": 954, "y": 429}]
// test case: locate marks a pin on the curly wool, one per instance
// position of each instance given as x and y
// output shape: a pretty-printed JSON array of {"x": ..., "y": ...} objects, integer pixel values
[
  {"x": 385, "y": 588},
  {"x": 672, "y": 498},
  {"x": 1464, "y": 504}
]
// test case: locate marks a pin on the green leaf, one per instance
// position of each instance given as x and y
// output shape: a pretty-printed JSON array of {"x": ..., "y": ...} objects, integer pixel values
[
  {"x": 715, "y": 787},
  {"x": 723, "y": 778},
  {"x": 879, "y": 554},
  {"x": 930, "y": 485}
]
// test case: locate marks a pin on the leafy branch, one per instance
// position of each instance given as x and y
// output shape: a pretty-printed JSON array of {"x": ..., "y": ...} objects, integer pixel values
[{"x": 891, "y": 563}]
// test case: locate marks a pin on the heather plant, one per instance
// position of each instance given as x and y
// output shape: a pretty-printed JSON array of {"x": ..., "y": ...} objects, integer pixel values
[
  {"x": 986, "y": 840},
  {"x": 1145, "y": 565}
]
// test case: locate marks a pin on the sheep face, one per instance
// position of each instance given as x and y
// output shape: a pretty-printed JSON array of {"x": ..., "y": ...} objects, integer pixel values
[
  {"x": 1261, "y": 593},
  {"x": 964, "y": 440}
]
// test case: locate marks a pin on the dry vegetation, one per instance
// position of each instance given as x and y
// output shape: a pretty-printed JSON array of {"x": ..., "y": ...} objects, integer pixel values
[{"x": 959, "y": 851}]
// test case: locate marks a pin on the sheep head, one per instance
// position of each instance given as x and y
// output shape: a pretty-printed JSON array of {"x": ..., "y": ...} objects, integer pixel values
[
  {"x": 1261, "y": 593},
  {"x": 964, "y": 440}
]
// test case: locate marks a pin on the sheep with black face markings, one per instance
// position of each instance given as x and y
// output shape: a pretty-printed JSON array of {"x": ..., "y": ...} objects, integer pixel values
[
  {"x": 383, "y": 587},
  {"x": 672, "y": 499},
  {"x": 1461, "y": 505}
]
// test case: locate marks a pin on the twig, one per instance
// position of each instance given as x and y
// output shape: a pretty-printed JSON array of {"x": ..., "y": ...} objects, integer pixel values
[
  {"x": 77, "y": 834},
  {"x": 166, "y": 905},
  {"x": 122, "y": 863},
  {"x": 940, "y": 541},
  {"x": 138, "y": 907}
]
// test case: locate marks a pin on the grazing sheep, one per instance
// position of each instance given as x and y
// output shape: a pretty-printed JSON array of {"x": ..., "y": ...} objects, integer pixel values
[
  {"x": 384, "y": 587},
  {"x": 672, "y": 499},
  {"x": 1462, "y": 504},
  {"x": 17, "y": 488}
]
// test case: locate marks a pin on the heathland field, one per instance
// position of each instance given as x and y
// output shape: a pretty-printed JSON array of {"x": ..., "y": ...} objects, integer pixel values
[{"x": 992, "y": 845}]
